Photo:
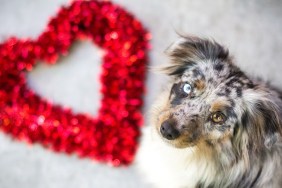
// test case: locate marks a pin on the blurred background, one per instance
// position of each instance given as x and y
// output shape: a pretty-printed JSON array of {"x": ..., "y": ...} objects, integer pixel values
[{"x": 252, "y": 30}]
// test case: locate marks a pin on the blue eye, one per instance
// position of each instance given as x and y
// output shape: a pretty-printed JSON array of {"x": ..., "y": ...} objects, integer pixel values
[{"x": 187, "y": 88}]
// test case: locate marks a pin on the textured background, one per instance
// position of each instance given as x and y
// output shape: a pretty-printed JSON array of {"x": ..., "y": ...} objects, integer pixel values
[{"x": 250, "y": 29}]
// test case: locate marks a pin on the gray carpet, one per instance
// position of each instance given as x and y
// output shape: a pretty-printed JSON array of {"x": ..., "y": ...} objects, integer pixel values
[{"x": 250, "y": 29}]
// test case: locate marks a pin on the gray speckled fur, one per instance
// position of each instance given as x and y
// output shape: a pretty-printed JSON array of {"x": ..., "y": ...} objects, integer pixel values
[{"x": 246, "y": 149}]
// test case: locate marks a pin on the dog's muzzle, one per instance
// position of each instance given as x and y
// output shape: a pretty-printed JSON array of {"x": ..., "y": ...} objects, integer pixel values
[{"x": 168, "y": 130}]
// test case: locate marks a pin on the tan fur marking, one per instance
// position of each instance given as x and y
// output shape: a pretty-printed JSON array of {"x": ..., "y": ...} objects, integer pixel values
[
  {"x": 219, "y": 105},
  {"x": 200, "y": 84}
]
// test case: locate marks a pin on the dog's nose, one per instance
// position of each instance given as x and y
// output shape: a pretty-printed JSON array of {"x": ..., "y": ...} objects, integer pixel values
[{"x": 168, "y": 131}]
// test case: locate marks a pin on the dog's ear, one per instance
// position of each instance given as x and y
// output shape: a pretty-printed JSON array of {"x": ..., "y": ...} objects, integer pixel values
[
  {"x": 263, "y": 118},
  {"x": 189, "y": 50}
]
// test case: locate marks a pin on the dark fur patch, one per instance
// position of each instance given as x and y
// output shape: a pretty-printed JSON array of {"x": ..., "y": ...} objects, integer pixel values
[
  {"x": 256, "y": 178},
  {"x": 218, "y": 67},
  {"x": 239, "y": 92},
  {"x": 210, "y": 80},
  {"x": 236, "y": 129},
  {"x": 178, "y": 94},
  {"x": 261, "y": 125},
  {"x": 198, "y": 74},
  {"x": 223, "y": 128},
  {"x": 236, "y": 73},
  {"x": 209, "y": 49},
  {"x": 231, "y": 102},
  {"x": 245, "y": 119},
  {"x": 173, "y": 88},
  {"x": 176, "y": 101},
  {"x": 178, "y": 70},
  {"x": 250, "y": 85},
  {"x": 232, "y": 81},
  {"x": 227, "y": 91},
  {"x": 202, "y": 185},
  {"x": 270, "y": 121},
  {"x": 221, "y": 94},
  {"x": 230, "y": 112}
]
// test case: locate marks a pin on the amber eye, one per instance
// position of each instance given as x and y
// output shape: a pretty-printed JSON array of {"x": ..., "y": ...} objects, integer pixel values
[{"x": 218, "y": 117}]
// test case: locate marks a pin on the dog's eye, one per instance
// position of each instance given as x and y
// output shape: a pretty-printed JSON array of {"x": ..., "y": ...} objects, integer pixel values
[
  {"x": 218, "y": 117},
  {"x": 187, "y": 88}
]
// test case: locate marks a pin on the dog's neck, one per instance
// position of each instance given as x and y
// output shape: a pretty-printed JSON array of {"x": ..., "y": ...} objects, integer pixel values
[
  {"x": 201, "y": 167},
  {"x": 189, "y": 165}
]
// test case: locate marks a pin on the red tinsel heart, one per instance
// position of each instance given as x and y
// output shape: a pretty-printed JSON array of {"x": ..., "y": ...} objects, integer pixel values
[{"x": 112, "y": 136}]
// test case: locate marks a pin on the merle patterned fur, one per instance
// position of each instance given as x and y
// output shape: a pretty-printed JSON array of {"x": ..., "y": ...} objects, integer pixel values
[{"x": 244, "y": 150}]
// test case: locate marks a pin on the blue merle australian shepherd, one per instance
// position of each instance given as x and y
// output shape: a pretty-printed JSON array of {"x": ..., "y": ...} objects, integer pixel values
[{"x": 213, "y": 126}]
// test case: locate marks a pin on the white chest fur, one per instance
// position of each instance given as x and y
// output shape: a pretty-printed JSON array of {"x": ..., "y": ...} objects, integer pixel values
[{"x": 168, "y": 167}]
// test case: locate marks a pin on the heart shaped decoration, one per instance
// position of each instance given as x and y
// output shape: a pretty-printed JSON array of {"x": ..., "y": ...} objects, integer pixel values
[{"x": 111, "y": 136}]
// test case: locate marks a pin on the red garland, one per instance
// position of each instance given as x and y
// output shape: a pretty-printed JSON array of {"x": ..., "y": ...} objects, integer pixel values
[{"x": 110, "y": 137}]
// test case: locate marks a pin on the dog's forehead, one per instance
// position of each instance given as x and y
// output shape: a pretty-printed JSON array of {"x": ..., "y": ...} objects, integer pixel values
[
  {"x": 220, "y": 80},
  {"x": 210, "y": 71}
]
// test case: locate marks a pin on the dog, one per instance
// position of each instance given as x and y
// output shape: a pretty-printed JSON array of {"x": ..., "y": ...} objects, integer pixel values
[{"x": 213, "y": 126}]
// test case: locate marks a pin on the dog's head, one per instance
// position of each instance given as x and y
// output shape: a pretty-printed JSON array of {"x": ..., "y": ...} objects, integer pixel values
[{"x": 212, "y": 102}]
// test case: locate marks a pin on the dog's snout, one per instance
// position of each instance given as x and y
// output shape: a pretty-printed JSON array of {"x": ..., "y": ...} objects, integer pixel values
[{"x": 169, "y": 131}]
